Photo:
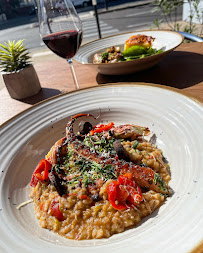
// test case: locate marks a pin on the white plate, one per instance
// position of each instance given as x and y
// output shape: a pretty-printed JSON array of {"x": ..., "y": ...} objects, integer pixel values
[
  {"x": 177, "y": 226},
  {"x": 164, "y": 39}
]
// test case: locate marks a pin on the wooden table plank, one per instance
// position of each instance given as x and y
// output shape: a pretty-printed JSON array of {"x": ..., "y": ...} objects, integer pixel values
[{"x": 182, "y": 69}]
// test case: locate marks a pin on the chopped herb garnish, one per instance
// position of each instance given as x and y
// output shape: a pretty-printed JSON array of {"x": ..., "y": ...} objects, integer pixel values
[
  {"x": 158, "y": 181},
  {"x": 69, "y": 154},
  {"x": 99, "y": 145},
  {"x": 109, "y": 172},
  {"x": 74, "y": 181},
  {"x": 87, "y": 179},
  {"x": 91, "y": 171},
  {"x": 135, "y": 144}
]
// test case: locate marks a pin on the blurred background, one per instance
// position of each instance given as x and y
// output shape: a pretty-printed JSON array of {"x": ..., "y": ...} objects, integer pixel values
[{"x": 18, "y": 18}]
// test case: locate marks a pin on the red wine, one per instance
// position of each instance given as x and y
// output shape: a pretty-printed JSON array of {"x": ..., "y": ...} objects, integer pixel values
[{"x": 64, "y": 44}]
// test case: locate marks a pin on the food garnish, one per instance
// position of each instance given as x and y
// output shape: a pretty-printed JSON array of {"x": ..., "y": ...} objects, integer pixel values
[
  {"x": 99, "y": 181},
  {"x": 136, "y": 47}
]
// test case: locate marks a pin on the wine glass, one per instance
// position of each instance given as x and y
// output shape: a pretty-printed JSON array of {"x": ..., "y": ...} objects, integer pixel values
[{"x": 60, "y": 29}]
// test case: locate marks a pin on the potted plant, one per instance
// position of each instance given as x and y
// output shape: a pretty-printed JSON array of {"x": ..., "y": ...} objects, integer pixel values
[{"x": 18, "y": 73}]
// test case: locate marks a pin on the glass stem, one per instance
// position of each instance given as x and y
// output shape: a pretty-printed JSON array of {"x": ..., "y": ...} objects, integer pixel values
[{"x": 73, "y": 74}]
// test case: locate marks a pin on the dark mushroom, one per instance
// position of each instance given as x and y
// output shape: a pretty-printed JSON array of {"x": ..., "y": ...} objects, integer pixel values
[
  {"x": 57, "y": 183},
  {"x": 96, "y": 197},
  {"x": 121, "y": 152},
  {"x": 84, "y": 127}
]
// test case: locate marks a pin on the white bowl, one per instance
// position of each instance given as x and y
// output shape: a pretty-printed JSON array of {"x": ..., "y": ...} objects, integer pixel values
[{"x": 164, "y": 39}]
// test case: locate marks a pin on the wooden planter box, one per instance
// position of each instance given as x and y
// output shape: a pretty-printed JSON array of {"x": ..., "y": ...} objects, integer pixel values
[{"x": 22, "y": 84}]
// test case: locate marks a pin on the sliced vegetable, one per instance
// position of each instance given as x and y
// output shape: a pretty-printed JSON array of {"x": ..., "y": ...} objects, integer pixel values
[
  {"x": 134, "y": 51},
  {"x": 126, "y": 181},
  {"x": 151, "y": 51},
  {"x": 41, "y": 206},
  {"x": 112, "y": 195},
  {"x": 55, "y": 211},
  {"x": 135, "y": 195},
  {"x": 100, "y": 128},
  {"x": 124, "y": 193},
  {"x": 83, "y": 197},
  {"x": 41, "y": 172},
  {"x": 128, "y": 175}
]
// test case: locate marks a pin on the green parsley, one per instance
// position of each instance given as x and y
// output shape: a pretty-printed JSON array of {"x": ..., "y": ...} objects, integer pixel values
[
  {"x": 105, "y": 55},
  {"x": 91, "y": 171},
  {"x": 87, "y": 179},
  {"x": 135, "y": 144},
  {"x": 158, "y": 181}
]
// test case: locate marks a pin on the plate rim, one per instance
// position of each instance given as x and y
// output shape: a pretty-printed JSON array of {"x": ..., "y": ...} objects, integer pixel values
[
  {"x": 193, "y": 97},
  {"x": 115, "y": 35},
  {"x": 197, "y": 246}
]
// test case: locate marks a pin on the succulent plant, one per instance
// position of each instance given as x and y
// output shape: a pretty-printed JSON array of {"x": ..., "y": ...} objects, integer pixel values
[{"x": 14, "y": 56}]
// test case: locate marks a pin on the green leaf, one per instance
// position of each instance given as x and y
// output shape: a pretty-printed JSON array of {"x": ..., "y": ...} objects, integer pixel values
[{"x": 13, "y": 56}]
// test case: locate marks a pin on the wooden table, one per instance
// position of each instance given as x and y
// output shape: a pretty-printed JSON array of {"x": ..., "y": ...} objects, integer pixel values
[{"x": 182, "y": 69}]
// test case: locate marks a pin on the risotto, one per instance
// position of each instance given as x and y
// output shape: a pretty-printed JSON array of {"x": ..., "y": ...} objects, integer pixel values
[{"x": 99, "y": 181}]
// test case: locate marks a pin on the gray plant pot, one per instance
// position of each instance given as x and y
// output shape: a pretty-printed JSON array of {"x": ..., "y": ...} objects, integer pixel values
[{"x": 22, "y": 84}]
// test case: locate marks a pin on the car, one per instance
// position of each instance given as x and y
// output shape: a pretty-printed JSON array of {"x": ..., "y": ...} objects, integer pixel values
[
  {"x": 33, "y": 11},
  {"x": 83, "y": 3}
]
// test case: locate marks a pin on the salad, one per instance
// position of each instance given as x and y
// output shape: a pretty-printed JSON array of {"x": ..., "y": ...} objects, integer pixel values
[{"x": 136, "y": 47}]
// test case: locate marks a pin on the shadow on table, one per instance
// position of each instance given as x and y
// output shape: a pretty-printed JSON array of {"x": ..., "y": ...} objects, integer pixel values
[
  {"x": 42, "y": 95},
  {"x": 173, "y": 71}
]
